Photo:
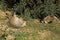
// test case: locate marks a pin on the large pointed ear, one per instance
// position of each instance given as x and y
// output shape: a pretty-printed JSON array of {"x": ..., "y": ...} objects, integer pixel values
[{"x": 14, "y": 14}]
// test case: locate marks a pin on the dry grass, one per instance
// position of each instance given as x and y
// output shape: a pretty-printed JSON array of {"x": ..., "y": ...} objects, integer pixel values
[{"x": 32, "y": 31}]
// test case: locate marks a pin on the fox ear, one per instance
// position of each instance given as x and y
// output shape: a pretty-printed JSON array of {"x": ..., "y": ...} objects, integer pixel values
[{"x": 12, "y": 14}]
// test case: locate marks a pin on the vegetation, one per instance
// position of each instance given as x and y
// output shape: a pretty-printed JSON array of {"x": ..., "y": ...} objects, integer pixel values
[
  {"x": 32, "y": 31},
  {"x": 30, "y": 10}
]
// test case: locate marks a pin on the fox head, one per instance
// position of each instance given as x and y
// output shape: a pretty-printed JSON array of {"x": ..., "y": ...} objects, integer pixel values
[{"x": 48, "y": 19}]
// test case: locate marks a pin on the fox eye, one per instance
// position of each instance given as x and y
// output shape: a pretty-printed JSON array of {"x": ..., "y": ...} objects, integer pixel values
[{"x": 6, "y": 14}]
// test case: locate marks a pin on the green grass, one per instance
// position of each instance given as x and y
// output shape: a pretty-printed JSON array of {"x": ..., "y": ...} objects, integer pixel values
[
  {"x": 36, "y": 31},
  {"x": 54, "y": 33}
]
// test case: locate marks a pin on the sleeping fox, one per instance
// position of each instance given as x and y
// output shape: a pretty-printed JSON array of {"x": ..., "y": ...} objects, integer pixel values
[
  {"x": 48, "y": 19},
  {"x": 15, "y": 21}
]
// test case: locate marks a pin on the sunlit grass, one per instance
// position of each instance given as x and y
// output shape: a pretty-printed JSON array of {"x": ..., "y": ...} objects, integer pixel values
[{"x": 34, "y": 31}]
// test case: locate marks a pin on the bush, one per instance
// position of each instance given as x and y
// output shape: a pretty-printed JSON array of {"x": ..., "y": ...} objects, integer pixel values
[{"x": 32, "y": 8}]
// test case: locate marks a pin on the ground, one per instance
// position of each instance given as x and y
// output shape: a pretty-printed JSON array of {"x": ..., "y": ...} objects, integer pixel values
[{"x": 32, "y": 31}]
